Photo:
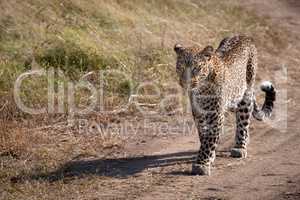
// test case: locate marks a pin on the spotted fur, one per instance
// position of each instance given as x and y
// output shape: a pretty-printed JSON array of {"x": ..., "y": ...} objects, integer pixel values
[{"x": 220, "y": 80}]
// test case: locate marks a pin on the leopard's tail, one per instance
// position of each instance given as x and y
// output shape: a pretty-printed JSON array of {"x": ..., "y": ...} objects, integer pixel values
[{"x": 270, "y": 96}]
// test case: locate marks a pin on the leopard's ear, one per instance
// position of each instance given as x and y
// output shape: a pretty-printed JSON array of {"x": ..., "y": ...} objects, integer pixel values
[
  {"x": 178, "y": 48},
  {"x": 207, "y": 52}
]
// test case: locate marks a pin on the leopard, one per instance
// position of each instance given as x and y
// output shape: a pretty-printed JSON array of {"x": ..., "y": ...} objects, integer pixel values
[{"x": 218, "y": 81}]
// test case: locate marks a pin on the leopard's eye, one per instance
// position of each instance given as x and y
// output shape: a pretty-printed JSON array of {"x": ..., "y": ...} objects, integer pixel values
[{"x": 195, "y": 70}]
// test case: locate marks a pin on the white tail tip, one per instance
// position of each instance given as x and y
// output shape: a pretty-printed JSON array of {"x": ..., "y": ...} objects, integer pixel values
[{"x": 266, "y": 85}]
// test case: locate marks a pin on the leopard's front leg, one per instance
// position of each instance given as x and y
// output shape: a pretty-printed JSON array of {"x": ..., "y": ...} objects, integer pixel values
[{"x": 209, "y": 124}]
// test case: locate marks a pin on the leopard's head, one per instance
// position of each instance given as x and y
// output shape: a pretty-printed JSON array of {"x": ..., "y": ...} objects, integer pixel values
[{"x": 192, "y": 64}]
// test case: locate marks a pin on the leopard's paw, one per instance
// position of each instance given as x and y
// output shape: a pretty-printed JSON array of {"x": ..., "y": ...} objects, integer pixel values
[
  {"x": 202, "y": 170},
  {"x": 239, "y": 153}
]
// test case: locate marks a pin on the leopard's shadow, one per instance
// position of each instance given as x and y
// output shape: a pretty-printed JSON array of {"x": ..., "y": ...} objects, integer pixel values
[{"x": 118, "y": 168}]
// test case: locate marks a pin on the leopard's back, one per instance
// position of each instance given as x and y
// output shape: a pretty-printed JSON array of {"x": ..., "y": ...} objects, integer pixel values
[{"x": 238, "y": 55}]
